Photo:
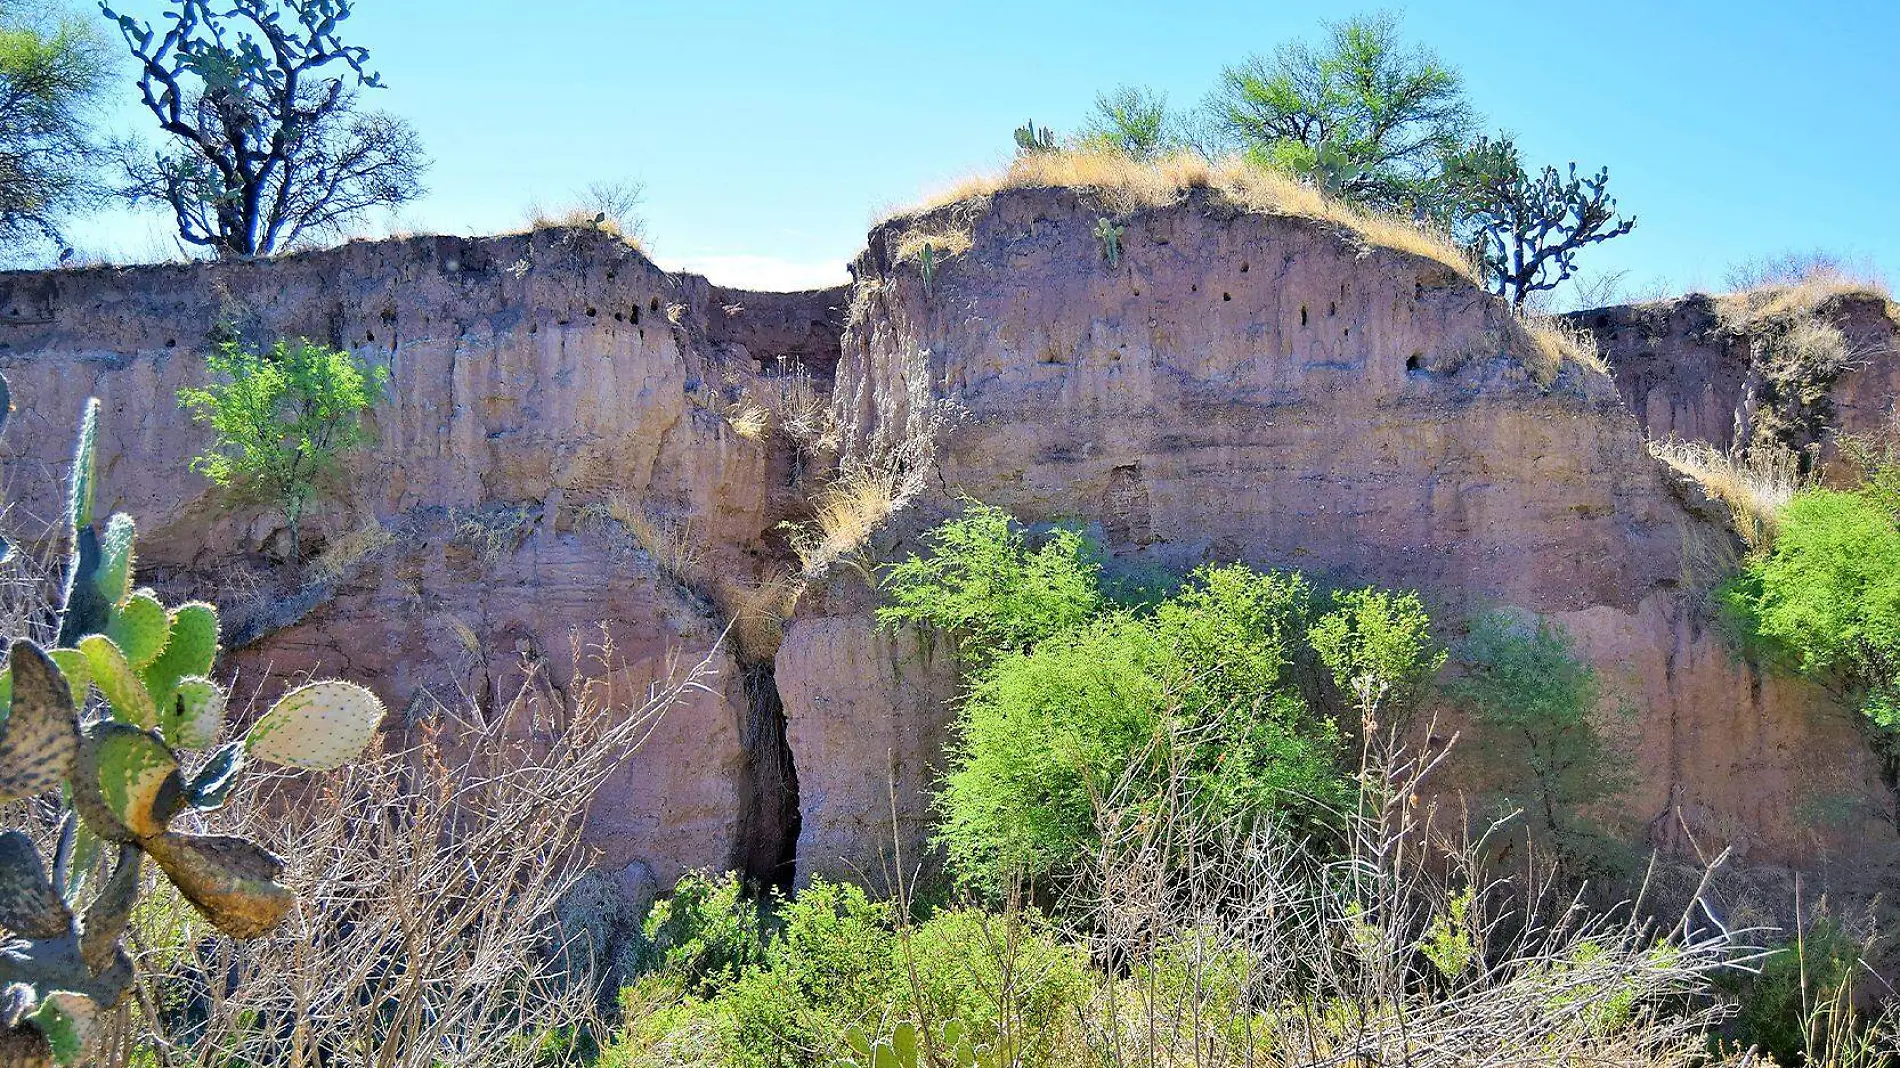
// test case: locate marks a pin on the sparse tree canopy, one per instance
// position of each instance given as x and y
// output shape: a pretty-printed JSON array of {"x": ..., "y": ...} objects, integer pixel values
[
  {"x": 1528, "y": 230},
  {"x": 1132, "y": 119},
  {"x": 1376, "y": 116},
  {"x": 268, "y": 145},
  {"x": 53, "y": 69}
]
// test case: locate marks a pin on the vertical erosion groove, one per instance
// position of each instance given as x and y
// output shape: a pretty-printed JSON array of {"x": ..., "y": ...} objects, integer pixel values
[{"x": 767, "y": 846}]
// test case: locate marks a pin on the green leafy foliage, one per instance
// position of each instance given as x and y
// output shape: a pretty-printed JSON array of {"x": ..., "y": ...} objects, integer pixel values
[
  {"x": 706, "y": 934},
  {"x": 54, "y": 72},
  {"x": 283, "y": 418},
  {"x": 1784, "y": 1009},
  {"x": 1133, "y": 120},
  {"x": 1378, "y": 647},
  {"x": 1533, "y": 700},
  {"x": 1826, "y": 599},
  {"x": 984, "y": 583}
]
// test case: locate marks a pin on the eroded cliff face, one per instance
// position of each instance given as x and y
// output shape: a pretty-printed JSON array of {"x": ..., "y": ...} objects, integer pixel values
[
  {"x": 1264, "y": 389},
  {"x": 533, "y": 380},
  {"x": 1239, "y": 387}
]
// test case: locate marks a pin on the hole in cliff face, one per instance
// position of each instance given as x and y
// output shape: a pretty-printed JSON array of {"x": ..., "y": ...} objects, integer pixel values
[
  {"x": 1226, "y": 296},
  {"x": 1302, "y": 315},
  {"x": 766, "y": 850},
  {"x": 1332, "y": 309},
  {"x": 635, "y": 313},
  {"x": 1414, "y": 363},
  {"x": 1243, "y": 266}
]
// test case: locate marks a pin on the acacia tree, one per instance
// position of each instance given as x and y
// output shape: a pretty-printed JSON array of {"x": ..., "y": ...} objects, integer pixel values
[
  {"x": 1528, "y": 229},
  {"x": 53, "y": 69},
  {"x": 268, "y": 144},
  {"x": 1369, "y": 117}
]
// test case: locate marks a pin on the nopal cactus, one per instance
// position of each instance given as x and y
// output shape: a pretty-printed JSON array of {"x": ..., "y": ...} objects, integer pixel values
[{"x": 123, "y": 766}]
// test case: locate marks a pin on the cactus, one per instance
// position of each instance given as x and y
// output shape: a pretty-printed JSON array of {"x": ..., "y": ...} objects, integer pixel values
[
  {"x": 1030, "y": 139},
  {"x": 927, "y": 265},
  {"x": 317, "y": 727},
  {"x": 1110, "y": 236},
  {"x": 125, "y": 781},
  {"x": 954, "y": 1048}
]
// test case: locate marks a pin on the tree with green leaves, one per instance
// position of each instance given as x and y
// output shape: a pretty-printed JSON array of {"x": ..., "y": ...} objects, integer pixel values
[
  {"x": 1528, "y": 229},
  {"x": 54, "y": 69},
  {"x": 283, "y": 418},
  {"x": 1361, "y": 114},
  {"x": 1133, "y": 120},
  {"x": 268, "y": 143}
]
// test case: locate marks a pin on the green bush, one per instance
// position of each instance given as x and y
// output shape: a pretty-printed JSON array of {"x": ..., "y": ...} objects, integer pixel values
[
  {"x": 706, "y": 934},
  {"x": 984, "y": 583},
  {"x": 1379, "y": 649},
  {"x": 1007, "y": 979},
  {"x": 1783, "y": 1010},
  {"x": 1532, "y": 699},
  {"x": 283, "y": 419},
  {"x": 1827, "y": 599}
]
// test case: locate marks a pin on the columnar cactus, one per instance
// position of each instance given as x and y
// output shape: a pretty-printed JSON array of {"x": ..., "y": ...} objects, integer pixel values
[{"x": 122, "y": 767}]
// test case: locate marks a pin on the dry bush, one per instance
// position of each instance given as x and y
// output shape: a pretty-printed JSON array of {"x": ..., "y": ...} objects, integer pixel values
[
  {"x": 749, "y": 419},
  {"x": 346, "y": 551},
  {"x": 426, "y": 880},
  {"x": 1756, "y": 486},
  {"x": 845, "y": 513},
  {"x": 1125, "y": 185},
  {"x": 801, "y": 409},
  {"x": 666, "y": 540},
  {"x": 756, "y": 613},
  {"x": 612, "y": 207},
  {"x": 1798, "y": 292}
]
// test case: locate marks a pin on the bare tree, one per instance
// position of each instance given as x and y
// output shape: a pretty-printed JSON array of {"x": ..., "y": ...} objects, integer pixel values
[{"x": 269, "y": 146}]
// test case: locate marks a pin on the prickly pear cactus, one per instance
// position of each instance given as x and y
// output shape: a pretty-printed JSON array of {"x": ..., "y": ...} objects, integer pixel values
[{"x": 119, "y": 763}]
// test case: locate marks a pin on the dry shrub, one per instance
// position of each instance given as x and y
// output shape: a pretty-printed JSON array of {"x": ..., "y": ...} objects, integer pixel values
[
  {"x": 749, "y": 419},
  {"x": 666, "y": 540},
  {"x": 800, "y": 407},
  {"x": 343, "y": 553},
  {"x": 611, "y": 207},
  {"x": 1800, "y": 295},
  {"x": 1756, "y": 486},
  {"x": 493, "y": 532},
  {"x": 1125, "y": 185},
  {"x": 426, "y": 880}
]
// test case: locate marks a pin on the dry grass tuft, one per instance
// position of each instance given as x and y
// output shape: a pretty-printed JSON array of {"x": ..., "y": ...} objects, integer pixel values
[
  {"x": 1559, "y": 342},
  {"x": 844, "y": 515},
  {"x": 1756, "y": 487},
  {"x": 1125, "y": 185},
  {"x": 748, "y": 419},
  {"x": 758, "y": 611},
  {"x": 1803, "y": 297},
  {"x": 801, "y": 408},
  {"x": 945, "y": 240},
  {"x": 345, "y": 552},
  {"x": 664, "y": 538},
  {"x": 493, "y": 532}
]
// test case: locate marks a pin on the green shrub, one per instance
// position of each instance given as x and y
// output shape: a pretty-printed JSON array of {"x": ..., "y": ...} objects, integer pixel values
[
  {"x": 986, "y": 584},
  {"x": 1532, "y": 700},
  {"x": 1827, "y": 599},
  {"x": 283, "y": 419},
  {"x": 705, "y": 935},
  {"x": 1007, "y": 978},
  {"x": 1784, "y": 1010},
  {"x": 1378, "y": 647}
]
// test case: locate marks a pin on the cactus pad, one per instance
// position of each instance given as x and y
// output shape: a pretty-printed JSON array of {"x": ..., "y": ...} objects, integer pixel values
[
  {"x": 232, "y": 881},
  {"x": 115, "y": 558},
  {"x": 195, "y": 716},
  {"x": 40, "y": 737},
  {"x": 79, "y": 502},
  {"x": 29, "y": 906},
  {"x": 138, "y": 777},
  {"x": 319, "y": 726},
  {"x": 191, "y": 650},
  {"x": 215, "y": 779},
  {"x": 140, "y": 628},
  {"x": 111, "y": 672},
  {"x": 78, "y": 672}
]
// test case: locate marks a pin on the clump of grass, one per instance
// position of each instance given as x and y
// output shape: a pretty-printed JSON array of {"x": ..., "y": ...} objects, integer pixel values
[
  {"x": 1559, "y": 342},
  {"x": 610, "y": 207},
  {"x": 844, "y": 515},
  {"x": 801, "y": 408},
  {"x": 1755, "y": 486},
  {"x": 1125, "y": 185},
  {"x": 493, "y": 532},
  {"x": 749, "y": 419},
  {"x": 758, "y": 611},
  {"x": 346, "y": 551},
  {"x": 1801, "y": 294},
  {"x": 667, "y": 540}
]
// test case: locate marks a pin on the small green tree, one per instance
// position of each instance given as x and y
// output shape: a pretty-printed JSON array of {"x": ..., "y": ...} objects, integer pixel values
[
  {"x": 1361, "y": 114},
  {"x": 283, "y": 419},
  {"x": 1532, "y": 699},
  {"x": 1133, "y": 120},
  {"x": 53, "y": 71},
  {"x": 1528, "y": 229},
  {"x": 1378, "y": 647}
]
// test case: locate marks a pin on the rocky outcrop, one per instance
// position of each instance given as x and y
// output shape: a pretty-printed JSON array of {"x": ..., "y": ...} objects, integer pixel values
[
  {"x": 1268, "y": 389},
  {"x": 1239, "y": 386}
]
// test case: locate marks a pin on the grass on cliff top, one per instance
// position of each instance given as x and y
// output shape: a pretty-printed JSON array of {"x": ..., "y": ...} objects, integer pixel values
[
  {"x": 1126, "y": 185},
  {"x": 1799, "y": 298}
]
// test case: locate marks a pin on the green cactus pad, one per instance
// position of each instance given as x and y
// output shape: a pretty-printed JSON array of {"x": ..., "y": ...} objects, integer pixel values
[
  {"x": 29, "y": 906},
  {"x": 40, "y": 736},
  {"x": 140, "y": 627},
  {"x": 320, "y": 726},
  {"x": 215, "y": 780},
  {"x": 124, "y": 690},
  {"x": 77, "y": 670},
  {"x": 116, "y": 552},
  {"x": 84, "y": 609},
  {"x": 136, "y": 773},
  {"x": 231, "y": 880},
  {"x": 195, "y": 716},
  {"x": 191, "y": 650},
  {"x": 67, "y": 1020},
  {"x": 79, "y": 501}
]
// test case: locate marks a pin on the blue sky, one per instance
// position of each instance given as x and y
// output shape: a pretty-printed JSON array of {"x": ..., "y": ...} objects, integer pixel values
[{"x": 769, "y": 135}]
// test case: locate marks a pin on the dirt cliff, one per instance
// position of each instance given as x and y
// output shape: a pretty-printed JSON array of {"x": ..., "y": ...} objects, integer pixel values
[{"x": 572, "y": 448}]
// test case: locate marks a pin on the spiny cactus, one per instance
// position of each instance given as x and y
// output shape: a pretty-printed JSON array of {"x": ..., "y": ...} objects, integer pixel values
[
  {"x": 1110, "y": 236},
  {"x": 927, "y": 265},
  {"x": 125, "y": 778},
  {"x": 1030, "y": 138},
  {"x": 954, "y": 1047}
]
